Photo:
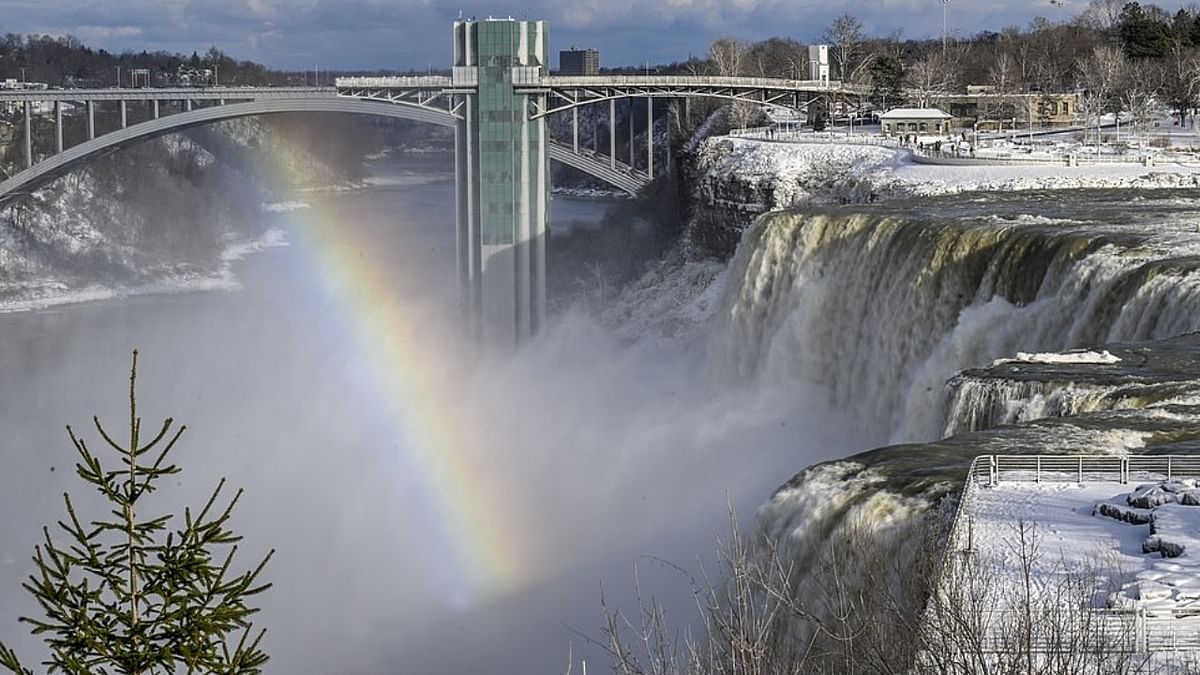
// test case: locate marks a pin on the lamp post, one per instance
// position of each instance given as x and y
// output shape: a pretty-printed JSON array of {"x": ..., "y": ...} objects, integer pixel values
[{"x": 944, "y": 5}]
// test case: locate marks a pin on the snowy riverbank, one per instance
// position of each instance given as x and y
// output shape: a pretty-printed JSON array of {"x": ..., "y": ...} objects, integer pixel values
[{"x": 796, "y": 174}]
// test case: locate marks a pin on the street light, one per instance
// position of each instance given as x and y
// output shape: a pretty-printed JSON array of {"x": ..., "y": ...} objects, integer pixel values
[{"x": 944, "y": 4}]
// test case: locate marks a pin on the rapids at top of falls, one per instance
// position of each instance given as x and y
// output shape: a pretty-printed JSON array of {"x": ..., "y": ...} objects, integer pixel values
[{"x": 883, "y": 304}]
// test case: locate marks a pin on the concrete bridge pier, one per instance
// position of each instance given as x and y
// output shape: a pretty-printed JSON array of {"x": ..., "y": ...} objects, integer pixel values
[
  {"x": 502, "y": 179},
  {"x": 28, "y": 135},
  {"x": 58, "y": 127}
]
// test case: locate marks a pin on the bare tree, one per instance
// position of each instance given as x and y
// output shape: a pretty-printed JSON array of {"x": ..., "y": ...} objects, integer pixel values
[
  {"x": 1181, "y": 80},
  {"x": 932, "y": 76},
  {"x": 1139, "y": 95},
  {"x": 845, "y": 38},
  {"x": 1003, "y": 73},
  {"x": 1102, "y": 15},
  {"x": 1102, "y": 74},
  {"x": 727, "y": 56}
]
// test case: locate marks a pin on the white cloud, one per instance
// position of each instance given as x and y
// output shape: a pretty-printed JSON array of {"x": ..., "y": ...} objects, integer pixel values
[
  {"x": 412, "y": 33},
  {"x": 99, "y": 33}
]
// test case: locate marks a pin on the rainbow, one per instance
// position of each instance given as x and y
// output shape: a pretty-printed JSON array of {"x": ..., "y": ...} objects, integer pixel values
[{"x": 415, "y": 375}]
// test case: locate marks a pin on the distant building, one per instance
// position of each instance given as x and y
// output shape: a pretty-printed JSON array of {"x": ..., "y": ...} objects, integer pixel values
[
  {"x": 193, "y": 77},
  {"x": 818, "y": 63},
  {"x": 15, "y": 107},
  {"x": 139, "y": 77},
  {"x": 579, "y": 62},
  {"x": 14, "y": 83},
  {"x": 900, "y": 121},
  {"x": 989, "y": 110}
]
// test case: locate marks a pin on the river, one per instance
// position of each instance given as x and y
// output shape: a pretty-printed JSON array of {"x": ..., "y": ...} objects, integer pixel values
[{"x": 327, "y": 383}]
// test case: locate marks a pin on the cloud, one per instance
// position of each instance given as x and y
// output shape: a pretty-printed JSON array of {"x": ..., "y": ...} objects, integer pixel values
[
  {"x": 101, "y": 33},
  {"x": 372, "y": 34}
]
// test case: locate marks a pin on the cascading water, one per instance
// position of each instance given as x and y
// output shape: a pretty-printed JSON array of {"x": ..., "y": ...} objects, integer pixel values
[{"x": 882, "y": 309}]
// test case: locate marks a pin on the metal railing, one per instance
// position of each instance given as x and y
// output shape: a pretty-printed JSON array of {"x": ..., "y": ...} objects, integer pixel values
[
  {"x": 398, "y": 82},
  {"x": 993, "y": 469},
  {"x": 800, "y": 136},
  {"x": 1135, "y": 630},
  {"x": 655, "y": 80}
]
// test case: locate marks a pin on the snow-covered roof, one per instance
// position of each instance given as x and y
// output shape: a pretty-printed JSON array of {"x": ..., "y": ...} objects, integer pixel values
[{"x": 914, "y": 114}]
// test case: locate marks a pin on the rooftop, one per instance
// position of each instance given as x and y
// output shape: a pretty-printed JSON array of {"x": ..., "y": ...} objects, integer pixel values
[{"x": 914, "y": 113}]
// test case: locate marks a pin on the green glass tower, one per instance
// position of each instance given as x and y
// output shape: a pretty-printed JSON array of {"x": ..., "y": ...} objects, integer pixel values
[{"x": 502, "y": 180}]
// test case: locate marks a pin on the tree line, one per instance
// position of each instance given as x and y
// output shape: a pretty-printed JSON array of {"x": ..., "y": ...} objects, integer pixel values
[
  {"x": 64, "y": 61},
  {"x": 1120, "y": 56}
]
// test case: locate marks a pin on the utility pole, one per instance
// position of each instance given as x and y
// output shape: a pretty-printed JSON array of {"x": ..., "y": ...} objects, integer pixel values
[
  {"x": 118, "y": 77},
  {"x": 944, "y": 4}
]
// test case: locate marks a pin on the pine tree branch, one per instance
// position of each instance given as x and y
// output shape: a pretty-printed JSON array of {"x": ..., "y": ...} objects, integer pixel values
[{"x": 130, "y": 596}]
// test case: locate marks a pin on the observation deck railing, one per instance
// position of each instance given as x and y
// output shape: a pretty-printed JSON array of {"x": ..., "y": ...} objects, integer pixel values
[{"x": 1132, "y": 630}]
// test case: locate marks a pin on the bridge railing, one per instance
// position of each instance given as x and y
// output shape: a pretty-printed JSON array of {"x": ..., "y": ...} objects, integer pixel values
[
  {"x": 567, "y": 81},
  {"x": 396, "y": 82}
]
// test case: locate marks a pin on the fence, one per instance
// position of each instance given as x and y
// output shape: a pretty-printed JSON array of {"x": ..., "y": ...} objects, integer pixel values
[
  {"x": 1134, "y": 630},
  {"x": 1130, "y": 631},
  {"x": 929, "y": 156},
  {"x": 800, "y": 136},
  {"x": 934, "y": 157},
  {"x": 992, "y": 469}
]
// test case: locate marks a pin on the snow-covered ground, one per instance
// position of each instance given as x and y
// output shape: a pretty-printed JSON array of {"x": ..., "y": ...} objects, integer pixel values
[
  {"x": 1143, "y": 536},
  {"x": 1077, "y": 356},
  {"x": 1102, "y": 566},
  {"x": 825, "y": 171}
]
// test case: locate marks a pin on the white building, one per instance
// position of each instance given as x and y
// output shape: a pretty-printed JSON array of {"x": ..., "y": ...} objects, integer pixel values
[
  {"x": 900, "y": 121},
  {"x": 818, "y": 63}
]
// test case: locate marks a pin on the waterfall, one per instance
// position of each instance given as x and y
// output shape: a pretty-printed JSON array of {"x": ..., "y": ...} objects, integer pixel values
[
  {"x": 883, "y": 309},
  {"x": 903, "y": 315}
]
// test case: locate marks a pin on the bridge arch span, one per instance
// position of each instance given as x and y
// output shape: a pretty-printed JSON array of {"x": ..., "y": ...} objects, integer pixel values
[{"x": 55, "y": 166}]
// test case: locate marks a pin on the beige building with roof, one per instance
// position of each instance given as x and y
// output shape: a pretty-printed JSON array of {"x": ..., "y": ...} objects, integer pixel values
[{"x": 900, "y": 121}]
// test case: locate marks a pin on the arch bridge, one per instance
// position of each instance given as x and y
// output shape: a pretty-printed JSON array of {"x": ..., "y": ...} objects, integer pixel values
[{"x": 497, "y": 99}]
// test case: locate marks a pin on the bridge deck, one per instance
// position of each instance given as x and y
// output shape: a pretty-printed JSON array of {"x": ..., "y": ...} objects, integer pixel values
[{"x": 166, "y": 93}]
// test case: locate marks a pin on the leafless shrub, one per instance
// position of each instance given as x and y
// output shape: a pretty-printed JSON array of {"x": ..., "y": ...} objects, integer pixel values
[
  {"x": 870, "y": 602},
  {"x": 1039, "y": 625}
]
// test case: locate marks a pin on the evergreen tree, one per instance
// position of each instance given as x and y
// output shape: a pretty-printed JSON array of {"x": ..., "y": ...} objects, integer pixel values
[
  {"x": 1143, "y": 35},
  {"x": 887, "y": 82},
  {"x": 141, "y": 595}
]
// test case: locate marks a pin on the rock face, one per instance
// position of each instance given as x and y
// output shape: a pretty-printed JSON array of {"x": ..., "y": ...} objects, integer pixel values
[
  {"x": 733, "y": 181},
  {"x": 148, "y": 214}
]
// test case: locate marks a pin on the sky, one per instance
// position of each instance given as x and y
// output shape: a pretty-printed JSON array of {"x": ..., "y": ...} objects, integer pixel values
[{"x": 415, "y": 34}]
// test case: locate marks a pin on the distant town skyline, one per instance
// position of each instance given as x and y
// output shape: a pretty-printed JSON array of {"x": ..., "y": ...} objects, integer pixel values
[{"x": 415, "y": 34}]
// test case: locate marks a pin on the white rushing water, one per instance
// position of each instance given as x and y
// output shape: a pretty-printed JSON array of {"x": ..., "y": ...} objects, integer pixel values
[
  {"x": 883, "y": 305},
  {"x": 883, "y": 309}
]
